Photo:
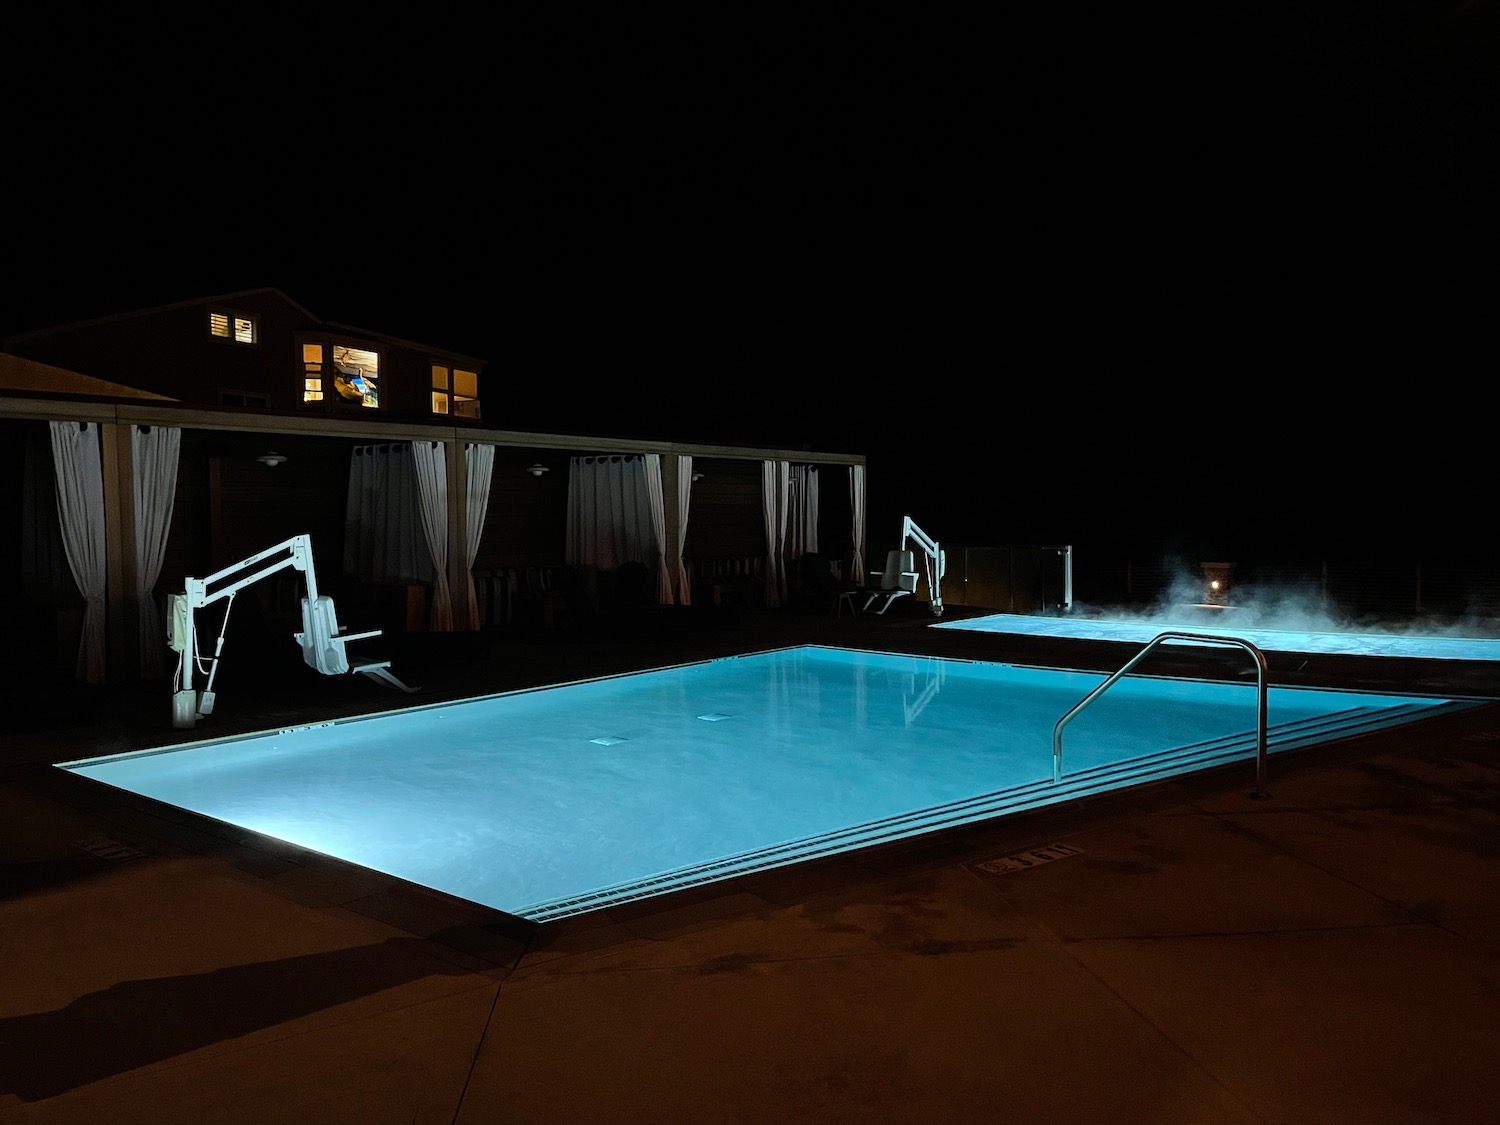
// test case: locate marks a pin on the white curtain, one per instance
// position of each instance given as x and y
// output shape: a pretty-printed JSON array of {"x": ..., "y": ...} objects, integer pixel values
[
  {"x": 857, "y": 508},
  {"x": 382, "y": 517},
  {"x": 154, "y": 452},
  {"x": 802, "y": 517},
  {"x": 658, "y": 508},
  {"x": 775, "y": 481},
  {"x": 609, "y": 513},
  {"x": 80, "y": 508},
  {"x": 684, "y": 502},
  {"x": 430, "y": 459},
  {"x": 479, "y": 465}
]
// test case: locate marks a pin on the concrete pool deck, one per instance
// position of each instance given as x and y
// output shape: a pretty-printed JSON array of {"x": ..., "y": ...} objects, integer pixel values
[{"x": 1331, "y": 954}]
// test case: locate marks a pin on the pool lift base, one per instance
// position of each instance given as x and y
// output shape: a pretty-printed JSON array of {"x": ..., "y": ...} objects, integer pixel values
[{"x": 322, "y": 638}]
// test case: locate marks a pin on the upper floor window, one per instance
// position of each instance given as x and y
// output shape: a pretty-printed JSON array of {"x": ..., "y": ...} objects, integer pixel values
[
  {"x": 312, "y": 372},
  {"x": 340, "y": 373},
  {"x": 455, "y": 392},
  {"x": 356, "y": 375},
  {"x": 239, "y": 327}
]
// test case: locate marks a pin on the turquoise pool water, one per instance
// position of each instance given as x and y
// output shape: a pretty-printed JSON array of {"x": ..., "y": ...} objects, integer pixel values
[
  {"x": 1328, "y": 641},
  {"x": 557, "y": 801}
]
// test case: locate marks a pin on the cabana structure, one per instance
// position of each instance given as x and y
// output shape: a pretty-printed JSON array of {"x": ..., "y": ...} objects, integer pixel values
[{"x": 164, "y": 443}]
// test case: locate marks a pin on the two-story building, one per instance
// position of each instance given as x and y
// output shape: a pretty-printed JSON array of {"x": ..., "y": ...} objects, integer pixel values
[{"x": 388, "y": 453}]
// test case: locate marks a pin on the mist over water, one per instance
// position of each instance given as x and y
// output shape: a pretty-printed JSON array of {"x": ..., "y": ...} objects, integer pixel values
[{"x": 1188, "y": 603}]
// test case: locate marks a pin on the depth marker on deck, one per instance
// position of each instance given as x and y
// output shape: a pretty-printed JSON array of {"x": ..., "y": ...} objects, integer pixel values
[
  {"x": 1032, "y": 857},
  {"x": 113, "y": 850}
]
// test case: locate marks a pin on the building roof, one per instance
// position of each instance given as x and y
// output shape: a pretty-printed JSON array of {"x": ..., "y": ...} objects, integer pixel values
[
  {"x": 131, "y": 314},
  {"x": 29, "y": 376},
  {"x": 239, "y": 296}
]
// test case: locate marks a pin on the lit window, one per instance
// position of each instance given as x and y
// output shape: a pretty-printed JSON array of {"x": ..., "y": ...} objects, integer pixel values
[
  {"x": 356, "y": 375},
  {"x": 466, "y": 394},
  {"x": 229, "y": 326},
  {"x": 455, "y": 392},
  {"x": 312, "y": 372}
]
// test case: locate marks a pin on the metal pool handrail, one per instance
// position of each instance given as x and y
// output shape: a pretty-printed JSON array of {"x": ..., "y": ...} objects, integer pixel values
[{"x": 1260, "y": 793}]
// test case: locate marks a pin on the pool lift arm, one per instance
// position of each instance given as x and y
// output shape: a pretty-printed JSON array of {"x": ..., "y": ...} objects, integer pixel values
[
  {"x": 937, "y": 561},
  {"x": 322, "y": 638}
]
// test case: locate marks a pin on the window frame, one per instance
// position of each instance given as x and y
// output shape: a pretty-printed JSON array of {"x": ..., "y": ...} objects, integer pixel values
[
  {"x": 448, "y": 394},
  {"x": 331, "y": 402},
  {"x": 232, "y": 318}
]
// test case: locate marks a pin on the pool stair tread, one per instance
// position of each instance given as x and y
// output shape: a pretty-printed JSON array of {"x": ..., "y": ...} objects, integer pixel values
[{"x": 1103, "y": 778}]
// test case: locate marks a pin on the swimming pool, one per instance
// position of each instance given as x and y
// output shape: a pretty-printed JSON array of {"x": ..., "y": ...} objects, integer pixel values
[
  {"x": 1328, "y": 641},
  {"x": 553, "y": 802}
]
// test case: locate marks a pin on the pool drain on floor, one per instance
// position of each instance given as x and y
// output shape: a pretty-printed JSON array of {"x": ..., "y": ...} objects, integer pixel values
[
  {"x": 714, "y": 717},
  {"x": 1031, "y": 857}
]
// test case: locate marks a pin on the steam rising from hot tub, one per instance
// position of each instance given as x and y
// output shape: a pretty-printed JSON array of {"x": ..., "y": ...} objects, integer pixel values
[{"x": 1190, "y": 600}]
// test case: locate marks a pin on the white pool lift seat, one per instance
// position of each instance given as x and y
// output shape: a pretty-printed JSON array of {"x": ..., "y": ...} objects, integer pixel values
[
  {"x": 898, "y": 580},
  {"x": 324, "y": 642}
]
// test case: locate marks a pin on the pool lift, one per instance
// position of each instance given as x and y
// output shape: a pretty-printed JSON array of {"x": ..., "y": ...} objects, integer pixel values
[
  {"x": 322, "y": 638},
  {"x": 900, "y": 579}
]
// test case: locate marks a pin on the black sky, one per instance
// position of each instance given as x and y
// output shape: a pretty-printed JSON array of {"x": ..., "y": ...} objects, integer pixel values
[{"x": 1222, "y": 283}]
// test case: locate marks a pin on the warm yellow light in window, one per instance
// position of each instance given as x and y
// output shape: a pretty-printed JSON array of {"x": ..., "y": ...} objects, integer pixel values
[
  {"x": 312, "y": 355},
  {"x": 466, "y": 384},
  {"x": 366, "y": 360},
  {"x": 357, "y": 378},
  {"x": 240, "y": 329},
  {"x": 439, "y": 402},
  {"x": 439, "y": 378}
]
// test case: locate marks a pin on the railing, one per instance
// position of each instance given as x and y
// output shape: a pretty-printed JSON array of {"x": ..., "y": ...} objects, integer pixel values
[{"x": 1260, "y": 793}]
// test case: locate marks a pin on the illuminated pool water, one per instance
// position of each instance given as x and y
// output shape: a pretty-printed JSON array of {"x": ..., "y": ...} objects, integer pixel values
[
  {"x": 556, "y": 801},
  {"x": 1325, "y": 641}
]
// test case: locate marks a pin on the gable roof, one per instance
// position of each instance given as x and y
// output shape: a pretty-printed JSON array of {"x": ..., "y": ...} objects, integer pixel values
[
  {"x": 237, "y": 298},
  {"x": 221, "y": 299},
  {"x": 17, "y": 374}
]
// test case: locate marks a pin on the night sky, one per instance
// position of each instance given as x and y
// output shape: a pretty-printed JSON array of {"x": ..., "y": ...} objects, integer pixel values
[{"x": 1208, "y": 285}]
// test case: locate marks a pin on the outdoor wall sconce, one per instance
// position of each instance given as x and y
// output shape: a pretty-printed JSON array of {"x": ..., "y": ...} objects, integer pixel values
[
  {"x": 697, "y": 477},
  {"x": 537, "y": 469},
  {"x": 1217, "y": 577},
  {"x": 271, "y": 459}
]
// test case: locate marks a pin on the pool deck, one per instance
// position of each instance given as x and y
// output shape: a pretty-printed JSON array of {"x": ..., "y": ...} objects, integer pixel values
[{"x": 1330, "y": 954}]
